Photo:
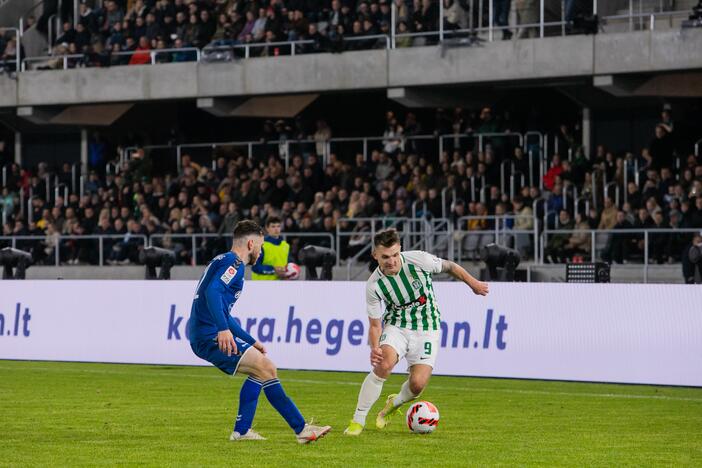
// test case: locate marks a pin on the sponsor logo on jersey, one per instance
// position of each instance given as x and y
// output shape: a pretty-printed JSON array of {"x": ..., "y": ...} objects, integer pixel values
[
  {"x": 228, "y": 275},
  {"x": 421, "y": 300}
]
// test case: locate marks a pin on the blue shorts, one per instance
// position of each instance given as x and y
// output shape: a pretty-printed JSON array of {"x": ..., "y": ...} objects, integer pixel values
[{"x": 210, "y": 352}]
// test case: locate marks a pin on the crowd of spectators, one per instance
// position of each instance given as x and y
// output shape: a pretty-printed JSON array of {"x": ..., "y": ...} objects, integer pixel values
[
  {"x": 119, "y": 32},
  {"x": 313, "y": 198}
]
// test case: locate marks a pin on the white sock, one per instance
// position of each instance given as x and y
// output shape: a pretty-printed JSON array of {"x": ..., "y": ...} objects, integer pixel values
[
  {"x": 404, "y": 396},
  {"x": 369, "y": 394}
]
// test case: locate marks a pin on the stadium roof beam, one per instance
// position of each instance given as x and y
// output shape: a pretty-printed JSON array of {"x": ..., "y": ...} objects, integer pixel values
[
  {"x": 678, "y": 84},
  {"x": 620, "y": 86},
  {"x": 442, "y": 97},
  {"x": 100, "y": 115},
  {"x": 286, "y": 106},
  {"x": 683, "y": 84}
]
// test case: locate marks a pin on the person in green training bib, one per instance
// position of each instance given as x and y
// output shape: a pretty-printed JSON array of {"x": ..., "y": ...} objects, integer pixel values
[
  {"x": 274, "y": 253},
  {"x": 412, "y": 328}
]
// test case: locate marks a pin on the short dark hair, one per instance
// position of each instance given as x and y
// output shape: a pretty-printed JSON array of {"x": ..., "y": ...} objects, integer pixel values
[
  {"x": 386, "y": 238},
  {"x": 273, "y": 220},
  {"x": 247, "y": 228}
]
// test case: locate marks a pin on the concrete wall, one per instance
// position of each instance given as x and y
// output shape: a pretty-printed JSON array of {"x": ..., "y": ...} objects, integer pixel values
[{"x": 542, "y": 59}]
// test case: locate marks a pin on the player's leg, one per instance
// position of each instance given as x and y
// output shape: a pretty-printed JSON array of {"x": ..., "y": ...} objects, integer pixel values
[
  {"x": 257, "y": 365},
  {"x": 421, "y": 357},
  {"x": 248, "y": 401},
  {"x": 394, "y": 345},
  {"x": 414, "y": 386},
  {"x": 250, "y": 390}
]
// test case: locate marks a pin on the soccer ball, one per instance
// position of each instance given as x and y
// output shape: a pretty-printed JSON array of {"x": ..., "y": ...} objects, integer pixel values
[
  {"x": 292, "y": 271},
  {"x": 422, "y": 417}
]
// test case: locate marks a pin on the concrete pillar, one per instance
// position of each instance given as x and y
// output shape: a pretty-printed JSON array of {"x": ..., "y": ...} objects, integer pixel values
[
  {"x": 587, "y": 131},
  {"x": 84, "y": 152},
  {"x": 18, "y": 148}
]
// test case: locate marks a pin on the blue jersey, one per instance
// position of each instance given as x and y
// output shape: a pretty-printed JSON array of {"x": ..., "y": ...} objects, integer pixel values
[{"x": 220, "y": 286}]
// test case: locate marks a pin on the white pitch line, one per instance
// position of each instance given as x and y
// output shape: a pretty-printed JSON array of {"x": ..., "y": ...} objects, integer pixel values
[{"x": 357, "y": 384}]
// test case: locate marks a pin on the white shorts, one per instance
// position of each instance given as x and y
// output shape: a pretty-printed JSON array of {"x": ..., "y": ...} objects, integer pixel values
[{"x": 417, "y": 347}]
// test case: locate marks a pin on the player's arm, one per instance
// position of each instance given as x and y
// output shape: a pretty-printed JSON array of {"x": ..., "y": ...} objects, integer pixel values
[
  {"x": 457, "y": 271},
  {"x": 243, "y": 335},
  {"x": 375, "y": 329},
  {"x": 240, "y": 333}
]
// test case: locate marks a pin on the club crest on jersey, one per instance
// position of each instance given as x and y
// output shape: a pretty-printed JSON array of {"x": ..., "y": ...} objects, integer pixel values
[
  {"x": 228, "y": 275},
  {"x": 416, "y": 284}
]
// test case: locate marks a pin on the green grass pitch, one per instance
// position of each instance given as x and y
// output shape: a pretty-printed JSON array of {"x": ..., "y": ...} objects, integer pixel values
[{"x": 74, "y": 414}]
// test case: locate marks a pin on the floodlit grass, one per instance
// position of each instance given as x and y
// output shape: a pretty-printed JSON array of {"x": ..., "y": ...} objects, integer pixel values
[{"x": 69, "y": 414}]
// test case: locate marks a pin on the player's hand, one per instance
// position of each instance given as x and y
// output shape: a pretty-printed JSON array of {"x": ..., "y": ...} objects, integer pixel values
[
  {"x": 259, "y": 347},
  {"x": 226, "y": 343},
  {"x": 280, "y": 272},
  {"x": 480, "y": 288},
  {"x": 376, "y": 356}
]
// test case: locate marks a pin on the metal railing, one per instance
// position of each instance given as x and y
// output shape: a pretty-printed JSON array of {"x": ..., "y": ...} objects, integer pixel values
[
  {"x": 67, "y": 61},
  {"x": 285, "y": 149},
  {"x": 441, "y": 236},
  {"x": 52, "y": 61},
  {"x": 363, "y": 231},
  {"x": 167, "y": 240},
  {"x": 58, "y": 241},
  {"x": 502, "y": 232},
  {"x": 246, "y": 48},
  {"x": 606, "y": 236}
]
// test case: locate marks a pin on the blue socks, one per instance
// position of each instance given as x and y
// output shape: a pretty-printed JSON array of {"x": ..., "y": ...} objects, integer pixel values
[
  {"x": 283, "y": 404},
  {"x": 248, "y": 399}
]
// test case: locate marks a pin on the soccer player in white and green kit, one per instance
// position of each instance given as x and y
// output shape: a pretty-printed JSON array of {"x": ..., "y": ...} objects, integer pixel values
[{"x": 411, "y": 329}]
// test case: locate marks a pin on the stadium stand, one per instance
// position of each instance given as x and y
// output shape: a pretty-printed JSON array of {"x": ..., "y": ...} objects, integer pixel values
[
  {"x": 481, "y": 183},
  {"x": 131, "y": 32},
  {"x": 456, "y": 183}
]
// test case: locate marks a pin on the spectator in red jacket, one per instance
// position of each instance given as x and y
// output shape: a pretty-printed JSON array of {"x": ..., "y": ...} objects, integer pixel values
[
  {"x": 555, "y": 170},
  {"x": 142, "y": 55}
]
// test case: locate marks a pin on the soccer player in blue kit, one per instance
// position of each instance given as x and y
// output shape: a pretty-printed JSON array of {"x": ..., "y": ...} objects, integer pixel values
[{"x": 217, "y": 338}]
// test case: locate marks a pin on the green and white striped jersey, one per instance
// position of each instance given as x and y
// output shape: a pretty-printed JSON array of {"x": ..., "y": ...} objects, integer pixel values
[{"x": 408, "y": 296}]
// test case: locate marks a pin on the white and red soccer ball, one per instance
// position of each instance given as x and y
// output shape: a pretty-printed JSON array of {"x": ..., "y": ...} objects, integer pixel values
[
  {"x": 292, "y": 271},
  {"x": 422, "y": 417}
]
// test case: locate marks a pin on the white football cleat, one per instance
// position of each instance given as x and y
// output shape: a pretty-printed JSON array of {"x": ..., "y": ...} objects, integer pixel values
[
  {"x": 311, "y": 433},
  {"x": 250, "y": 435}
]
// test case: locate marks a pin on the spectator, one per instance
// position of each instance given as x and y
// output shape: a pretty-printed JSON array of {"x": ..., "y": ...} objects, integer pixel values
[
  {"x": 557, "y": 248},
  {"x": 608, "y": 219},
  {"x": 501, "y": 16},
  {"x": 524, "y": 221},
  {"x": 455, "y": 15},
  {"x": 528, "y": 16},
  {"x": 142, "y": 55},
  {"x": 661, "y": 148},
  {"x": 67, "y": 36},
  {"x": 393, "y": 137},
  {"x": 619, "y": 244},
  {"x": 321, "y": 136},
  {"x": 580, "y": 242},
  {"x": 474, "y": 241}
]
